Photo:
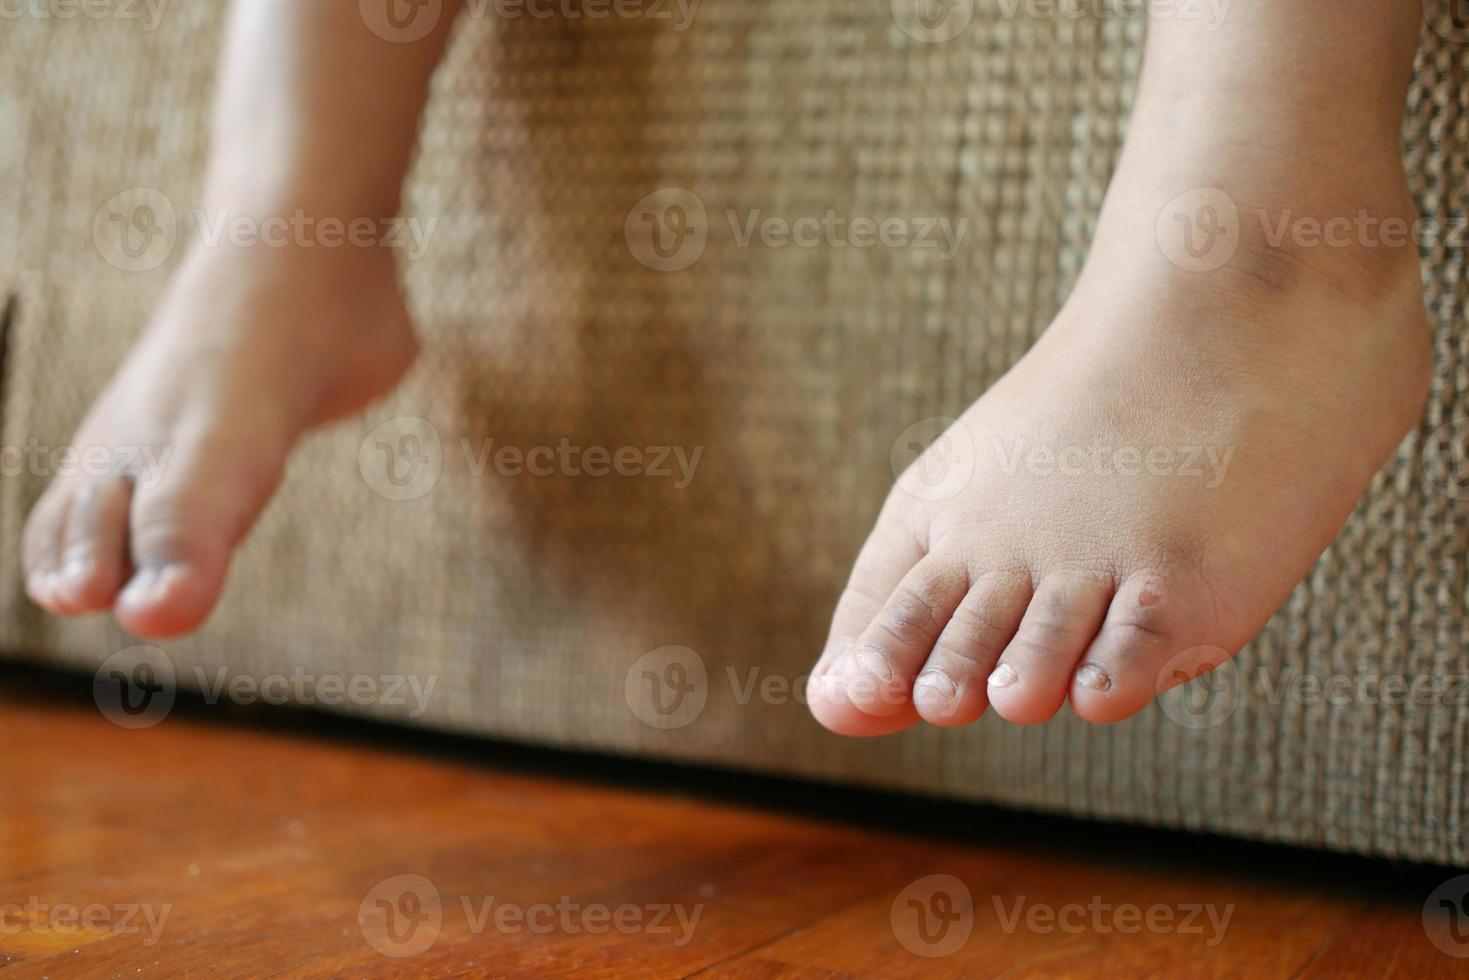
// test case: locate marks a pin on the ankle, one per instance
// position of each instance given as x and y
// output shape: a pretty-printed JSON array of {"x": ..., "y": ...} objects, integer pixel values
[
  {"x": 1208, "y": 202},
  {"x": 1315, "y": 70}
]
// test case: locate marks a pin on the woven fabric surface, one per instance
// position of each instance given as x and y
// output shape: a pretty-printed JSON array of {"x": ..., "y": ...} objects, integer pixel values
[{"x": 551, "y": 608}]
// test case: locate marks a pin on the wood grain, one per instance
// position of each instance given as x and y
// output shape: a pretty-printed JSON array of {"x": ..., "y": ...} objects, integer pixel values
[{"x": 273, "y": 842}]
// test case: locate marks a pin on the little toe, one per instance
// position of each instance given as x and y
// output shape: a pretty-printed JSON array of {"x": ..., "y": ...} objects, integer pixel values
[
  {"x": 94, "y": 546},
  {"x": 1150, "y": 621},
  {"x": 950, "y": 690},
  {"x": 1029, "y": 684}
]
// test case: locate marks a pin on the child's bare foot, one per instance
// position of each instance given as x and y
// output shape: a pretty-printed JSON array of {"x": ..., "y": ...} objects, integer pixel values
[
  {"x": 249, "y": 349},
  {"x": 1154, "y": 477}
]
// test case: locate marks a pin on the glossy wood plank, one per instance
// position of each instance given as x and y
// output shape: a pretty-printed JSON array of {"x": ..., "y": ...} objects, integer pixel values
[{"x": 270, "y": 842}]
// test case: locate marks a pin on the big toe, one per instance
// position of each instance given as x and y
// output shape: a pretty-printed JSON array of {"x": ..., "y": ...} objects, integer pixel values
[
  {"x": 183, "y": 532},
  {"x": 841, "y": 693}
]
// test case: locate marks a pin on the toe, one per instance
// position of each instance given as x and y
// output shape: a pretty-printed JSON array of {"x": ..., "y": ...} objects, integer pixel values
[
  {"x": 181, "y": 535},
  {"x": 94, "y": 546},
  {"x": 1029, "y": 684},
  {"x": 180, "y": 564},
  {"x": 950, "y": 689},
  {"x": 885, "y": 560},
  {"x": 41, "y": 546},
  {"x": 881, "y": 666},
  {"x": 1150, "y": 621}
]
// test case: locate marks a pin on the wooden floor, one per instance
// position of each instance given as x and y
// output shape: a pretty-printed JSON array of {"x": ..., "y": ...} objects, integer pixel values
[{"x": 278, "y": 843}]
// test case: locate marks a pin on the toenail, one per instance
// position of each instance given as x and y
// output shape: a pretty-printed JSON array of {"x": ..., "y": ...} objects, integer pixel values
[
  {"x": 143, "y": 587},
  {"x": 77, "y": 570},
  {"x": 38, "y": 585},
  {"x": 1003, "y": 676},
  {"x": 939, "y": 683},
  {"x": 833, "y": 656},
  {"x": 874, "y": 665},
  {"x": 1093, "y": 677}
]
